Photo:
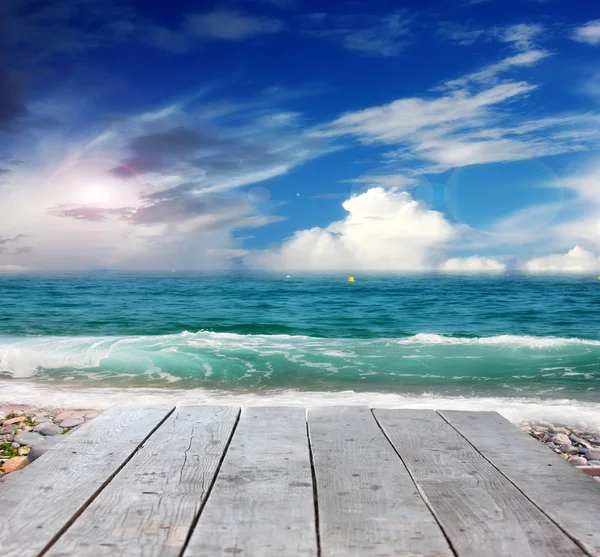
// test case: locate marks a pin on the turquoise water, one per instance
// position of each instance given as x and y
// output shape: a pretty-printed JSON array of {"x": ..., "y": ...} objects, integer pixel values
[{"x": 515, "y": 335}]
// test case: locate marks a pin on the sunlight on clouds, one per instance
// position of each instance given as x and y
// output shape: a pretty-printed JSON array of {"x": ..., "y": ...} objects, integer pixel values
[{"x": 383, "y": 230}]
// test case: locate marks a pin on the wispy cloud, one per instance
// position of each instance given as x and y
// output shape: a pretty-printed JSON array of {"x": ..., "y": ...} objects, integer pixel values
[
  {"x": 588, "y": 33},
  {"x": 522, "y": 35},
  {"x": 471, "y": 120},
  {"x": 459, "y": 33},
  {"x": 218, "y": 25},
  {"x": 370, "y": 35}
]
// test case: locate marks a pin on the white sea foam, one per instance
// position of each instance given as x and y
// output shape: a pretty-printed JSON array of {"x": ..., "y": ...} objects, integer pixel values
[
  {"x": 525, "y": 341},
  {"x": 513, "y": 408}
]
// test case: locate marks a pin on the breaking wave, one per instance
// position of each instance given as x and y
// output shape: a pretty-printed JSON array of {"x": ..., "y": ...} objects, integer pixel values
[{"x": 503, "y": 365}]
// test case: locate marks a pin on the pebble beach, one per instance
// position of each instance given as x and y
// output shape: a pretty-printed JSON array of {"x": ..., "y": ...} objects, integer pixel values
[
  {"x": 27, "y": 432},
  {"x": 579, "y": 444}
]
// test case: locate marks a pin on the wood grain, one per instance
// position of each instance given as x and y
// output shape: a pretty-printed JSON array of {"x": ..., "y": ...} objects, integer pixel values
[
  {"x": 368, "y": 503},
  {"x": 567, "y": 496},
  {"x": 40, "y": 501},
  {"x": 262, "y": 502},
  {"x": 481, "y": 512},
  {"x": 149, "y": 507}
]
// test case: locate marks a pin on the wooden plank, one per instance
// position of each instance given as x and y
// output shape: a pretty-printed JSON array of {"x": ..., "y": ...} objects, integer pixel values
[
  {"x": 41, "y": 500},
  {"x": 481, "y": 512},
  {"x": 568, "y": 497},
  {"x": 368, "y": 503},
  {"x": 150, "y": 506},
  {"x": 262, "y": 502}
]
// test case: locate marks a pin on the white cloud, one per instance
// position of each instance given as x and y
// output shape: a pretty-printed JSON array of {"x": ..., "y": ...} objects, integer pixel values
[
  {"x": 574, "y": 261},
  {"x": 588, "y": 33},
  {"x": 401, "y": 119},
  {"x": 473, "y": 264},
  {"x": 471, "y": 119},
  {"x": 521, "y": 35},
  {"x": 82, "y": 206},
  {"x": 442, "y": 132},
  {"x": 385, "y": 229},
  {"x": 489, "y": 73}
]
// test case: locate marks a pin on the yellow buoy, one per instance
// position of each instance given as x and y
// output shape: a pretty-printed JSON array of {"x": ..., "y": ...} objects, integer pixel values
[{"x": 351, "y": 279}]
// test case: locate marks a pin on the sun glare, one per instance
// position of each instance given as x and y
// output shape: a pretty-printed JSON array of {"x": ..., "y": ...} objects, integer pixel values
[{"x": 95, "y": 194}]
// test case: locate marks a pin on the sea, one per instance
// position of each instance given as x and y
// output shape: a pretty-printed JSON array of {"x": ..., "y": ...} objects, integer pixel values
[{"x": 527, "y": 346}]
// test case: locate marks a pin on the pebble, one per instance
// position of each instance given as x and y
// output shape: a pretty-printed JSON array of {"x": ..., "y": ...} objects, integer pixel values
[
  {"x": 13, "y": 421},
  {"x": 42, "y": 448},
  {"x": 578, "y": 461},
  {"x": 71, "y": 422},
  {"x": 590, "y": 470},
  {"x": 48, "y": 428},
  {"x": 592, "y": 454},
  {"x": 41, "y": 418},
  {"x": 568, "y": 449},
  {"x": 561, "y": 439},
  {"x": 15, "y": 463},
  {"x": 31, "y": 439},
  {"x": 594, "y": 462},
  {"x": 578, "y": 441},
  {"x": 562, "y": 430}
]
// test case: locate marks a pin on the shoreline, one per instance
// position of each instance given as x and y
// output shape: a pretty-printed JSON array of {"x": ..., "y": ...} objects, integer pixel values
[{"x": 516, "y": 409}]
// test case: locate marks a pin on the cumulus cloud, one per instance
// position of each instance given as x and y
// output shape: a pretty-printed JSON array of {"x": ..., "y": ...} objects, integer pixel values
[
  {"x": 473, "y": 264},
  {"x": 384, "y": 229},
  {"x": 574, "y": 261},
  {"x": 588, "y": 33}
]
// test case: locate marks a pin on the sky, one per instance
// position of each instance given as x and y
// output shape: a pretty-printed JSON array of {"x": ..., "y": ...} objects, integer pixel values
[{"x": 280, "y": 135}]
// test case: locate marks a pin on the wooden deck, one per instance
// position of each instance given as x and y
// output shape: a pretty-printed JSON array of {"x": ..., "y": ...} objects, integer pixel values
[{"x": 338, "y": 481}]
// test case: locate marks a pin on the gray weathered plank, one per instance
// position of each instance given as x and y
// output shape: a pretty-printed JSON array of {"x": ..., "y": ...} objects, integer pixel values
[
  {"x": 567, "y": 496},
  {"x": 368, "y": 503},
  {"x": 40, "y": 501},
  {"x": 148, "y": 509},
  {"x": 481, "y": 512},
  {"x": 262, "y": 502}
]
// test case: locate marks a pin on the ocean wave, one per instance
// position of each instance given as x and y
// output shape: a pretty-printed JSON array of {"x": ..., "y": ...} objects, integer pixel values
[{"x": 442, "y": 363}]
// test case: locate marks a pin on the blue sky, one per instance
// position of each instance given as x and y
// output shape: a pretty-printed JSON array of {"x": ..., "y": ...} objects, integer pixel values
[{"x": 285, "y": 134}]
